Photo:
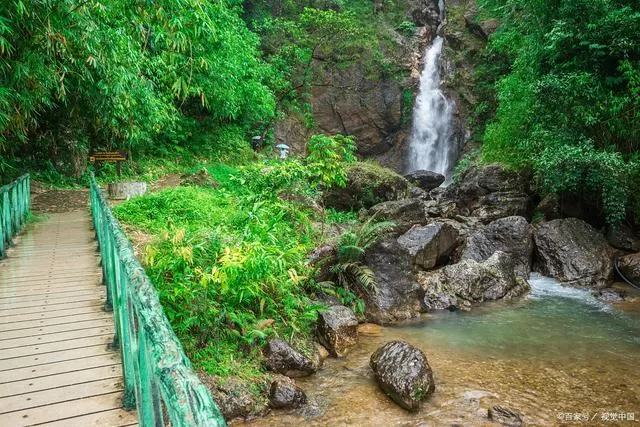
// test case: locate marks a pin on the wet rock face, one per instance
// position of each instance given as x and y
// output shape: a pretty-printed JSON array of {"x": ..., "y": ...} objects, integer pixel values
[
  {"x": 512, "y": 235},
  {"x": 425, "y": 13},
  {"x": 425, "y": 180},
  {"x": 624, "y": 237},
  {"x": 457, "y": 286},
  {"x": 573, "y": 252},
  {"x": 430, "y": 245},
  {"x": 505, "y": 416},
  {"x": 284, "y": 359},
  {"x": 398, "y": 293},
  {"x": 402, "y": 371},
  {"x": 629, "y": 265},
  {"x": 284, "y": 393},
  {"x": 337, "y": 330},
  {"x": 609, "y": 295},
  {"x": 491, "y": 192}
]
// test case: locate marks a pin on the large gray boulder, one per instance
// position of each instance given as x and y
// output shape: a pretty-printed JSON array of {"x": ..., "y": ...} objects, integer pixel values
[
  {"x": 430, "y": 245},
  {"x": 459, "y": 285},
  {"x": 573, "y": 252},
  {"x": 629, "y": 265},
  {"x": 397, "y": 294},
  {"x": 337, "y": 330},
  {"x": 402, "y": 371},
  {"x": 490, "y": 192},
  {"x": 512, "y": 235},
  {"x": 624, "y": 237},
  {"x": 280, "y": 357}
]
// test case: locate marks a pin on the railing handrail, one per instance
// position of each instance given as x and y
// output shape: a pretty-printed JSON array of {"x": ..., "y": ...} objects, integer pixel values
[
  {"x": 15, "y": 204},
  {"x": 156, "y": 369}
]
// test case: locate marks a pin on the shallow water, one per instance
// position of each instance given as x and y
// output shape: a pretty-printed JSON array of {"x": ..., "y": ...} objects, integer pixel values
[{"x": 555, "y": 352}]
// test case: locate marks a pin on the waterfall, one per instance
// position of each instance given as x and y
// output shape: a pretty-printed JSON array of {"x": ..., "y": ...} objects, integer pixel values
[{"x": 431, "y": 146}]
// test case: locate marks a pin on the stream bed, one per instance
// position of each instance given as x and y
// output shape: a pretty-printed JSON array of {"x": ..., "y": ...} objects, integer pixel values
[{"x": 556, "y": 355}]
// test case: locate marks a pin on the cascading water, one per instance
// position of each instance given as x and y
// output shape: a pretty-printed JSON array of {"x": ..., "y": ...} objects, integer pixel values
[{"x": 431, "y": 146}]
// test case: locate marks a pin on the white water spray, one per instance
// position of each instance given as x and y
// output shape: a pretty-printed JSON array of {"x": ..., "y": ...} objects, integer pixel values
[{"x": 431, "y": 146}]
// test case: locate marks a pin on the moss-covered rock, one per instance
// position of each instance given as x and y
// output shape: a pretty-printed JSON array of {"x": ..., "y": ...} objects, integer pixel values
[{"x": 368, "y": 184}]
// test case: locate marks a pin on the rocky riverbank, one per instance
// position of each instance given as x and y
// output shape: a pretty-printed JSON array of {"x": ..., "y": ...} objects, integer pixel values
[{"x": 451, "y": 249}]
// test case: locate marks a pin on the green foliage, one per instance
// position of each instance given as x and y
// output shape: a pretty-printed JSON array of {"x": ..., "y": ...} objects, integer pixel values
[
  {"x": 569, "y": 109},
  {"x": 407, "y": 28},
  {"x": 328, "y": 156},
  {"x": 229, "y": 265},
  {"x": 84, "y": 75},
  {"x": 341, "y": 217},
  {"x": 349, "y": 270}
]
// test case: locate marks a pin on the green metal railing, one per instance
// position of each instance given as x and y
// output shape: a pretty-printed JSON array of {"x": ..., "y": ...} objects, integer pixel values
[
  {"x": 159, "y": 381},
  {"x": 15, "y": 204}
]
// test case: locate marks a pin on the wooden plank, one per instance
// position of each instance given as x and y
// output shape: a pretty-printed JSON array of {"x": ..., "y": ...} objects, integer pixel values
[
  {"x": 32, "y": 314},
  {"x": 113, "y": 418},
  {"x": 57, "y": 356},
  {"x": 78, "y": 343},
  {"x": 10, "y": 278},
  {"x": 38, "y": 323},
  {"x": 53, "y": 302},
  {"x": 62, "y": 411},
  {"x": 60, "y": 380},
  {"x": 44, "y": 296},
  {"x": 60, "y": 336},
  {"x": 55, "y": 280},
  {"x": 61, "y": 394},
  {"x": 58, "y": 368},
  {"x": 46, "y": 290},
  {"x": 63, "y": 284},
  {"x": 54, "y": 329}
]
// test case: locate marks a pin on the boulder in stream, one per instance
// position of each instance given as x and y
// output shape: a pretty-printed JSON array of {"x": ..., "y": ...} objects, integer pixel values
[
  {"x": 284, "y": 393},
  {"x": 457, "y": 286},
  {"x": 337, "y": 330},
  {"x": 402, "y": 371},
  {"x": 284, "y": 359},
  {"x": 512, "y": 235},
  {"x": 397, "y": 295},
  {"x": 629, "y": 265},
  {"x": 430, "y": 245},
  {"x": 574, "y": 253}
]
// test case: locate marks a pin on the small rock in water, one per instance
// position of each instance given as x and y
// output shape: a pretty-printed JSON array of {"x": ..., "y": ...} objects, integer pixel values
[
  {"x": 609, "y": 295},
  {"x": 285, "y": 394},
  {"x": 337, "y": 330},
  {"x": 402, "y": 371},
  {"x": 505, "y": 416}
]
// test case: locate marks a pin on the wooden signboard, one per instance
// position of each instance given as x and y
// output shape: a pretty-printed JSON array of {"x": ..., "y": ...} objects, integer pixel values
[{"x": 108, "y": 157}]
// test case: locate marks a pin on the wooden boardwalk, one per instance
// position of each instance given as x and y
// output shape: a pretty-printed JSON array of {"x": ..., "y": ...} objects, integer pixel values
[{"x": 56, "y": 367}]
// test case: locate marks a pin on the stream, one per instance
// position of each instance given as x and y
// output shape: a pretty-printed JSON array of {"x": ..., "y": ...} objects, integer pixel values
[{"x": 551, "y": 355}]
